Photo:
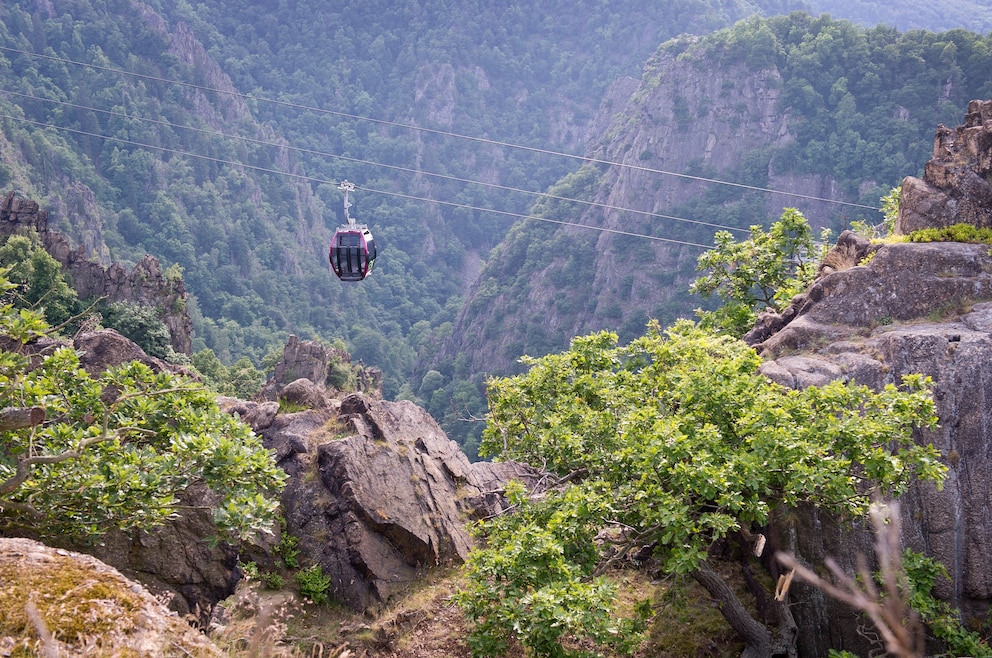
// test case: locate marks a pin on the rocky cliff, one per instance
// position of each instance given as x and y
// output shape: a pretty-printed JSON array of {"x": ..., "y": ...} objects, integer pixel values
[
  {"x": 913, "y": 308},
  {"x": 378, "y": 494},
  {"x": 144, "y": 283},
  {"x": 544, "y": 285}
]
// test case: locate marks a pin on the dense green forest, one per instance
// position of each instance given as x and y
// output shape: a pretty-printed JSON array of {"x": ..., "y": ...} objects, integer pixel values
[
  {"x": 214, "y": 135},
  {"x": 135, "y": 112}
]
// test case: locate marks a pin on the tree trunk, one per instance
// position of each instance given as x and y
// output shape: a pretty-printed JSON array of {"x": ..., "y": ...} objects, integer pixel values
[{"x": 760, "y": 643}]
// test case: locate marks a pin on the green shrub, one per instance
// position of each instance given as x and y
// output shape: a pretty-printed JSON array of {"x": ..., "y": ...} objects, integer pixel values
[
  {"x": 954, "y": 233},
  {"x": 313, "y": 584}
]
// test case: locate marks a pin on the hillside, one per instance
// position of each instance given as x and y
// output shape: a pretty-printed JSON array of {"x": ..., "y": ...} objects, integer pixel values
[
  {"x": 213, "y": 136},
  {"x": 808, "y": 107}
]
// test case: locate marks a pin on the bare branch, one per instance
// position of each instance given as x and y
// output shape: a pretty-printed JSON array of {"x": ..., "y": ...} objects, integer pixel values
[{"x": 898, "y": 624}]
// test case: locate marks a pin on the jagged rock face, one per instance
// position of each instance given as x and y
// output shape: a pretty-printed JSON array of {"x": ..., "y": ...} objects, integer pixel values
[
  {"x": 176, "y": 561},
  {"x": 309, "y": 360},
  {"x": 144, "y": 284},
  {"x": 904, "y": 282},
  {"x": 914, "y": 308},
  {"x": 391, "y": 495},
  {"x": 84, "y": 600},
  {"x": 957, "y": 181}
]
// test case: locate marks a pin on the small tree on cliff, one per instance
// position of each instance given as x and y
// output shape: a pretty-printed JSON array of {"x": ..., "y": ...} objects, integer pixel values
[
  {"x": 765, "y": 270},
  {"x": 81, "y": 454},
  {"x": 673, "y": 442}
]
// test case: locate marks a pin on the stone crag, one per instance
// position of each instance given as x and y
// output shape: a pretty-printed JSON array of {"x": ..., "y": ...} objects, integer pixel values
[
  {"x": 913, "y": 308},
  {"x": 378, "y": 494},
  {"x": 145, "y": 283},
  {"x": 957, "y": 181}
]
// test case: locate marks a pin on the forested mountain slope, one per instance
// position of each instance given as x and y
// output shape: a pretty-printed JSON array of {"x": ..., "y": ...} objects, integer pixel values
[
  {"x": 973, "y": 15},
  {"x": 214, "y": 135},
  {"x": 810, "y": 107}
]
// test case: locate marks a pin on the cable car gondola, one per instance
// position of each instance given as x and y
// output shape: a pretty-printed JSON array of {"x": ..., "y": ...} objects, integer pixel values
[{"x": 352, "y": 253}]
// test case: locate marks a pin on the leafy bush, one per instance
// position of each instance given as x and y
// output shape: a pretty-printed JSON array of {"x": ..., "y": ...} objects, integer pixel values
[
  {"x": 313, "y": 584},
  {"x": 117, "y": 450},
  {"x": 41, "y": 283},
  {"x": 939, "y": 616},
  {"x": 765, "y": 270},
  {"x": 675, "y": 441},
  {"x": 954, "y": 233},
  {"x": 141, "y": 324}
]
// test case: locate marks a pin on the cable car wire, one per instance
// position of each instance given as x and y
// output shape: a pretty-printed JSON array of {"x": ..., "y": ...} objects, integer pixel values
[
  {"x": 312, "y": 179},
  {"x": 445, "y": 133},
  {"x": 324, "y": 154}
]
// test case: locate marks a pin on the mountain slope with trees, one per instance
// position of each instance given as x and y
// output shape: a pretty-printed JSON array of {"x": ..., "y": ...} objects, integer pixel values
[
  {"x": 213, "y": 135},
  {"x": 829, "y": 114}
]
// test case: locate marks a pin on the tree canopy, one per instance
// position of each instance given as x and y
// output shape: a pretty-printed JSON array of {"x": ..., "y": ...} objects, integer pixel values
[
  {"x": 118, "y": 449},
  {"x": 673, "y": 442}
]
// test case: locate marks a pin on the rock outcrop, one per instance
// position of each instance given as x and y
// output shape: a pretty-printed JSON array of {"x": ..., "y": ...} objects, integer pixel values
[
  {"x": 957, "y": 181},
  {"x": 57, "y": 602},
  {"x": 145, "y": 283},
  {"x": 314, "y": 362},
  {"x": 378, "y": 494},
  {"x": 914, "y": 308}
]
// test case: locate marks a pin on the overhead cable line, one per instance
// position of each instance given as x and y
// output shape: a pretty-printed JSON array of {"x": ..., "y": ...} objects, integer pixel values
[
  {"x": 312, "y": 179},
  {"x": 483, "y": 140},
  {"x": 324, "y": 154}
]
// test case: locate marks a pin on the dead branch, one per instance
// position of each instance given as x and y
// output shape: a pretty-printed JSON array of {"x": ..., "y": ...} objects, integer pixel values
[
  {"x": 898, "y": 624},
  {"x": 18, "y": 418}
]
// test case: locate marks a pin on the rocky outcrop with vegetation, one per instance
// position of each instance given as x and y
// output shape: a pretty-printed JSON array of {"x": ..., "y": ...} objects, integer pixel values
[
  {"x": 378, "y": 495},
  {"x": 144, "y": 284},
  {"x": 55, "y": 602},
  {"x": 913, "y": 308}
]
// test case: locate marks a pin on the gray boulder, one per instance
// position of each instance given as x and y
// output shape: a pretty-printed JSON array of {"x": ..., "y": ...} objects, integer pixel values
[{"x": 379, "y": 495}]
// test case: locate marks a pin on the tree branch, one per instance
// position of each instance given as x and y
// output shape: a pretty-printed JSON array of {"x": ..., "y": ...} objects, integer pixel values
[
  {"x": 755, "y": 634},
  {"x": 18, "y": 418},
  {"x": 23, "y": 465}
]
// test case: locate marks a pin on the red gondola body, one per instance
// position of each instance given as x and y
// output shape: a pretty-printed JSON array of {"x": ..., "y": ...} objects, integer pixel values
[{"x": 352, "y": 253}]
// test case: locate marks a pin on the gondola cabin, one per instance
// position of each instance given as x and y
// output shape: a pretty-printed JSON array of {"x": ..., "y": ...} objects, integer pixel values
[{"x": 352, "y": 253}]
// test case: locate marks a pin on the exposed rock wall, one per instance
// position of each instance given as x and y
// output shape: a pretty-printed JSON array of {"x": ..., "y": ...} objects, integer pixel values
[
  {"x": 914, "y": 308},
  {"x": 379, "y": 495},
  {"x": 312, "y": 361},
  {"x": 957, "y": 181},
  {"x": 145, "y": 283}
]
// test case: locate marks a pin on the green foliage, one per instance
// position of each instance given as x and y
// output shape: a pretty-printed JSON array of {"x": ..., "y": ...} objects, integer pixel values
[
  {"x": 273, "y": 580},
  {"x": 41, "y": 283},
  {"x": 890, "y": 212},
  {"x": 141, "y": 324},
  {"x": 765, "y": 270},
  {"x": 118, "y": 449},
  {"x": 954, "y": 233},
  {"x": 341, "y": 376},
  {"x": 288, "y": 549},
  {"x": 941, "y": 618},
  {"x": 538, "y": 586},
  {"x": 242, "y": 380},
  {"x": 313, "y": 584},
  {"x": 250, "y": 570},
  {"x": 674, "y": 440}
]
